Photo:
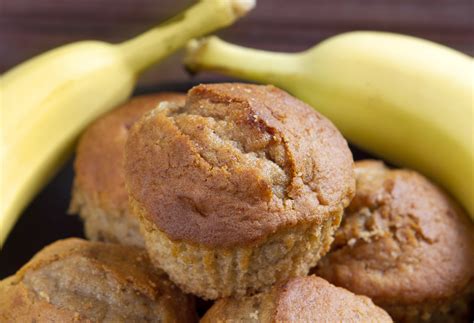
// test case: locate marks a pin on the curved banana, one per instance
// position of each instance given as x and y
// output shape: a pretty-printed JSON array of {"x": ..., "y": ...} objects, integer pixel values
[
  {"x": 47, "y": 101},
  {"x": 407, "y": 100}
]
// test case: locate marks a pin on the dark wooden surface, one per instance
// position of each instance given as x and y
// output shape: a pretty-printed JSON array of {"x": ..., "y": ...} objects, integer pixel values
[{"x": 29, "y": 27}]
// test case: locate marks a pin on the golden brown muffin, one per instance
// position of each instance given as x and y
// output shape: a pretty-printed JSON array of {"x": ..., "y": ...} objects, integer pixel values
[
  {"x": 302, "y": 299},
  {"x": 240, "y": 188},
  {"x": 75, "y": 280},
  {"x": 99, "y": 195},
  {"x": 404, "y": 244}
]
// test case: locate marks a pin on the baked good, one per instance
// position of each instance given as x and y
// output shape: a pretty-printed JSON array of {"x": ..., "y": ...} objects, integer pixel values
[
  {"x": 241, "y": 187},
  {"x": 99, "y": 195},
  {"x": 74, "y": 280},
  {"x": 404, "y": 243},
  {"x": 302, "y": 299}
]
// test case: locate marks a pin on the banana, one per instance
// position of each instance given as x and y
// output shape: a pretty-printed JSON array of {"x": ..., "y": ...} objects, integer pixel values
[
  {"x": 47, "y": 101},
  {"x": 407, "y": 100}
]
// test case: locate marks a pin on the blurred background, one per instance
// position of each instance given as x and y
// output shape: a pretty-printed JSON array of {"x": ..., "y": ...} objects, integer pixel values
[{"x": 29, "y": 27}]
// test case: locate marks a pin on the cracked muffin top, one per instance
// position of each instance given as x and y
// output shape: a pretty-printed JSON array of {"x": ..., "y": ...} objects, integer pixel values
[
  {"x": 99, "y": 158},
  {"x": 237, "y": 162},
  {"x": 402, "y": 240},
  {"x": 81, "y": 281}
]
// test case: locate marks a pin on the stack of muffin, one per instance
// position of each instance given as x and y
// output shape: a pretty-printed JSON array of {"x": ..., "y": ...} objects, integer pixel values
[{"x": 235, "y": 193}]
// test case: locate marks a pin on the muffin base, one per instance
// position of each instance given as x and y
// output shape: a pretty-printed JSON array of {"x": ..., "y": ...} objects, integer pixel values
[
  {"x": 103, "y": 225},
  {"x": 213, "y": 273}
]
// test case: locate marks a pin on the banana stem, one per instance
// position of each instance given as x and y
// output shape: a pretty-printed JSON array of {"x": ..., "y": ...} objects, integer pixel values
[
  {"x": 214, "y": 54},
  {"x": 200, "y": 19}
]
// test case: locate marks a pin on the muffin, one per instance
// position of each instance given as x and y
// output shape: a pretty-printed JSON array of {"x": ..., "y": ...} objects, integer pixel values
[
  {"x": 241, "y": 187},
  {"x": 302, "y": 299},
  {"x": 99, "y": 195},
  {"x": 75, "y": 280},
  {"x": 405, "y": 244}
]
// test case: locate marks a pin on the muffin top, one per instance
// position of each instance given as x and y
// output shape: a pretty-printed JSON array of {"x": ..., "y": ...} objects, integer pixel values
[
  {"x": 99, "y": 157},
  {"x": 76, "y": 280},
  {"x": 236, "y": 163},
  {"x": 303, "y": 299},
  {"x": 402, "y": 240}
]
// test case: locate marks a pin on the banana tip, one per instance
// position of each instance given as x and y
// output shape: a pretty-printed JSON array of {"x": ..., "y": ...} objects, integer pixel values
[
  {"x": 241, "y": 7},
  {"x": 193, "y": 48}
]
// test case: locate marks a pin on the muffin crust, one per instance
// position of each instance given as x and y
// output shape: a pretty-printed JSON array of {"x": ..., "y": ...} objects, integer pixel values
[
  {"x": 80, "y": 281},
  {"x": 303, "y": 299},
  {"x": 99, "y": 193},
  {"x": 404, "y": 243},
  {"x": 235, "y": 164}
]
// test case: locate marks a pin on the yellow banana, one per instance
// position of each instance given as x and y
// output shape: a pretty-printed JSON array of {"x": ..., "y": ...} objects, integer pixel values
[
  {"x": 47, "y": 101},
  {"x": 407, "y": 100}
]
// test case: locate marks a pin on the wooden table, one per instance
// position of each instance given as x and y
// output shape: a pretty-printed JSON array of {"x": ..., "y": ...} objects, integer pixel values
[{"x": 29, "y": 27}]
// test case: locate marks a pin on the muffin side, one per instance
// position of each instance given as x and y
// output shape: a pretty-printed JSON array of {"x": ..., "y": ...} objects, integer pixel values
[
  {"x": 114, "y": 226},
  {"x": 215, "y": 272},
  {"x": 99, "y": 195}
]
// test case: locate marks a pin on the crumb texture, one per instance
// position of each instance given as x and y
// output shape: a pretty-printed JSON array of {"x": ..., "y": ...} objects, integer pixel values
[
  {"x": 235, "y": 164},
  {"x": 114, "y": 226},
  {"x": 404, "y": 243}
]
